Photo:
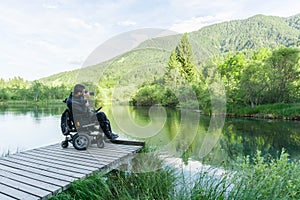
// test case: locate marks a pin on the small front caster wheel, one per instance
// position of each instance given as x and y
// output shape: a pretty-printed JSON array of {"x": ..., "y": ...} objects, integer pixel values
[
  {"x": 100, "y": 143},
  {"x": 64, "y": 144}
]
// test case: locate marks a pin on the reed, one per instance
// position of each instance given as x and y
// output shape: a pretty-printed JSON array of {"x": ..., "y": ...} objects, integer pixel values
[{"x": 251, "y": 179}]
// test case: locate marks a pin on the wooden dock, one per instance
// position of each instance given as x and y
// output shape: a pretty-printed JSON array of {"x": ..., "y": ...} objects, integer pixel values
[{"x": 43, "y": 172}]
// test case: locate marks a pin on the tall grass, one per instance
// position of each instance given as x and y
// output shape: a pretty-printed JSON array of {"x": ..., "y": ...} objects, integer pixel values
[
  {"x": 273, "y": 111},
  {"x": 8, "y": 152},
  {"x": 256, "y": 179},
  {"x": 274, "y": 179}
]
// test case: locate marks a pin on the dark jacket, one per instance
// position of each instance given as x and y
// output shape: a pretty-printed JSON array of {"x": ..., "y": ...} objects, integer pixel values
[
  {"x": 77, "y": 104},
  {"x": 80, "y": 111}
]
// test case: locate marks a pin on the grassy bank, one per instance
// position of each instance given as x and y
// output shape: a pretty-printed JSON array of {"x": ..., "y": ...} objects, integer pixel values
[
  {"x": 259, "y": 178},
  {"x": 270, "y": 111},
  {"x": 20, "y": 102}
]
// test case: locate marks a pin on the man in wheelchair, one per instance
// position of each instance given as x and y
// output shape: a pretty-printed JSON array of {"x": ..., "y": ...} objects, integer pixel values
[{"x": 78, "y": 103}]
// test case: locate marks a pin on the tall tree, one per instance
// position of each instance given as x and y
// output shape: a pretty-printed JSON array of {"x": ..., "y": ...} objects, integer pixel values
[
  {"x": 172, "y": 75},
  {"x": 284, "y": 66},
  {"x": 185, "y": 57},
  {"x": 230, "y": 71},
  {"x": 181, "y": 65},
  {"x": 255, "y": 78}
]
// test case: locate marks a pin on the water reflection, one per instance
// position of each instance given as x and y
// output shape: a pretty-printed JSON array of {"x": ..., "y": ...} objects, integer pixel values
[
  {"x": 28, "y": 126},
  {"x": 183, "y": 133},
  {"x": 244, "y": 137},
  {"x": 36, "y": 111},
  {"x": 240, "y": 137}
]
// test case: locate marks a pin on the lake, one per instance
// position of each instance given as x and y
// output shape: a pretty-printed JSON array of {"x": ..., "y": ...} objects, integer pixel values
[{"x": 181, "y": 133}]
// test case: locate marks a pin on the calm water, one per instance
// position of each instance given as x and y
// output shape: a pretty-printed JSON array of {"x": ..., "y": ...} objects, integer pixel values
[{"x": 183, "y": 133}]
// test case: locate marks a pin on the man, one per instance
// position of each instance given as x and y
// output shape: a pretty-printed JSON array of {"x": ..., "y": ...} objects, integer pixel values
[{"x": 78, "y": 103}]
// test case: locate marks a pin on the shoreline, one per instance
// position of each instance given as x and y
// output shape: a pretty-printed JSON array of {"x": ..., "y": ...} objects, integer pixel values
[
  {"x": 289, "y": 112},
  {"x": 5, "y": 103}
]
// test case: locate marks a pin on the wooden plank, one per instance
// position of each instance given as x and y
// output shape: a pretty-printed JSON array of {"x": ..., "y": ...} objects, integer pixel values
[
  {"x": 54, "y": 168},
  {"x": 96, "y": 156},
  {"x": 83, "y": 155},
  {"x": 17, "y": 167},
  {"x": 5, "y": 197},
  {"x": 16, "y": 193},
  {"x": 33, "y": 176},
  {"x": 107, "y": 146},
  {"x": 106, "y": 152},
  {"x": 127, "y": 148},
  {"x": 59, "y": 167},
  {"x": 98, "y": 150},
  {"x": 25, "y": 188},
  {"x": 75, "y": 156},
  {"x": 33, "y": 182},
  {"x": 56, "y": 160},
  {"x": 116, "y": 150},
  {"x": 120, "y": 148}
]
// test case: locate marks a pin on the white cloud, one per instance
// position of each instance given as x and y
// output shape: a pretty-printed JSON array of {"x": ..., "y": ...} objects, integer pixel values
[
  {"x": 53, "y": 5},
  {"x": 195, "y": 23},
  {"x": 75, "y": 60},
  {"x": 79, "y": 23},
  {"x": 126, "y": 23}
]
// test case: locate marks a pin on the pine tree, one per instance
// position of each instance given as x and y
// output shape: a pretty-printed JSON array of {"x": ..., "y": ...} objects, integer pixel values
[
  {"x": 185, "y": 57},
  {"x": 172, "y": 75},
  {"x": 181, "y": 67}
]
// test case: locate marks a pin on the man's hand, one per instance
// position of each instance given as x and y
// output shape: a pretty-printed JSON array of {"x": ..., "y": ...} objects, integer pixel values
[{"x": 86, "y": 96}]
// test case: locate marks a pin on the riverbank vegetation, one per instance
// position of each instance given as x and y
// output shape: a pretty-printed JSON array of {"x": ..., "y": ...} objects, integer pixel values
[
  {"x": 260, "y": 177},
  {"x": 19, "y": 90},
  {"x": 262, "y": 83}
]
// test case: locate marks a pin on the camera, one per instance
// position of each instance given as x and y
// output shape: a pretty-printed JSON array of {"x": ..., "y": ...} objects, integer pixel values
[{"x": 91, "y": 93}]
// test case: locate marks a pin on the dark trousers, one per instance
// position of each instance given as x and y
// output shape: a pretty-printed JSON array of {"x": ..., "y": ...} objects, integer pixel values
[{"x": 104, "y": 123}]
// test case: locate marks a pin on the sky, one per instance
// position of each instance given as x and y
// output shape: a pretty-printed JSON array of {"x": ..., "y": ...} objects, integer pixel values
[{"x": 39, "y": 38}]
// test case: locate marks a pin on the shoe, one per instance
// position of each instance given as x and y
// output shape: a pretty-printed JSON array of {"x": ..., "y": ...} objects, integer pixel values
[{"x": 113, "y": 136}]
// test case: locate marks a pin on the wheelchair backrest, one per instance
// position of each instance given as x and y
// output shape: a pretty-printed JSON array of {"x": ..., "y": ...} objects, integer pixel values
[{"x": 67, "y": 123}]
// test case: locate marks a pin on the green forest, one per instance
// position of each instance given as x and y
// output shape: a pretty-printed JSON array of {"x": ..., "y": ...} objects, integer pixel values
[
  {"x": 17, "y": 89},
  {"x": 250, "y": 78}
]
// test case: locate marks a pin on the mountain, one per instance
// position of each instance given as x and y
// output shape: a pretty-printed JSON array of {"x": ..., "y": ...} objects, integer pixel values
[
  {"x": 252, "y": 33},
  {"x": 146, "y": 63}
]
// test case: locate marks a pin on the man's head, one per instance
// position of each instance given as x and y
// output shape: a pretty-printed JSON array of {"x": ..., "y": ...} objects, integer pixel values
[{"x": 78, "y": 90}]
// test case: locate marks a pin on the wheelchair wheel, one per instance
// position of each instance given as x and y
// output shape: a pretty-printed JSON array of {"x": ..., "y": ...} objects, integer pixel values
[
  {"x": 81, "y": 141},
  {"x": 64, "y": 144},
  {"x": 100, "y": 143}
]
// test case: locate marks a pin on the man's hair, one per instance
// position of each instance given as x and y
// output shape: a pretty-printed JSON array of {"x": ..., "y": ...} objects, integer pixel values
[{"x": 78, "y": 88}]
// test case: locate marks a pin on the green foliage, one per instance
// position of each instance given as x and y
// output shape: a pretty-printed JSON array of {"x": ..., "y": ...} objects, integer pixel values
[
  {"x": 262, "y": 77},
  {"x": 267, "y": 179},
  {"x": 252, "y": 33},
  {"x": 154, "y": 94},
  {"x": 284, "y": 69},
  {"x": 250, "y": 78},
  {"x": 17, "y": 89},
  {"x": 267, "y": 111},
  {"x": 185, "y": 58},
  {"x": 181, "y": 66}
]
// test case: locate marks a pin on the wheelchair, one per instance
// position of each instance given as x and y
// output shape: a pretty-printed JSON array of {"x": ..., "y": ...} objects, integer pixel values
[{"x": 82, "y": 132}]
